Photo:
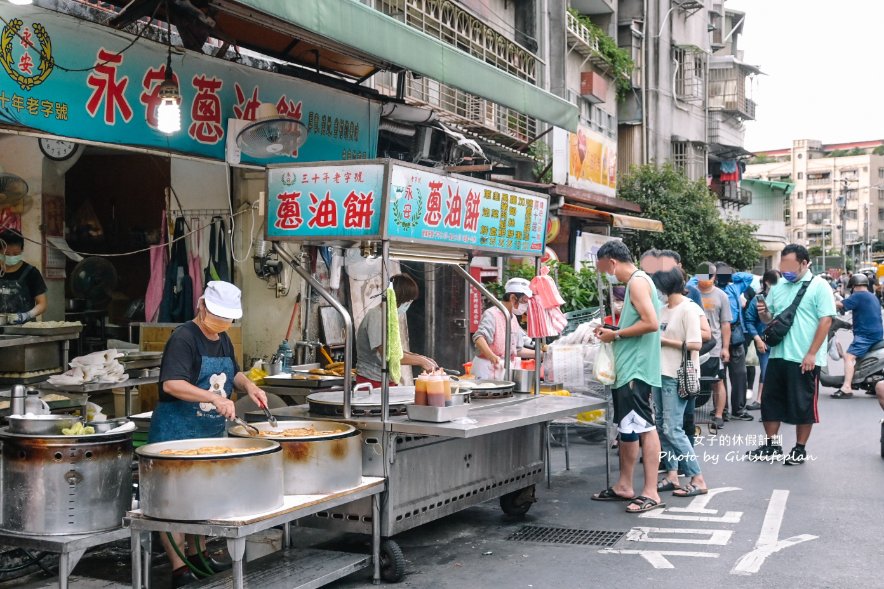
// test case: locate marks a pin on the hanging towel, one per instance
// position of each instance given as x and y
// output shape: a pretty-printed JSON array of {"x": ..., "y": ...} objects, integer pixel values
[
  {"x": 177, "y": 305},
  {"x": 394, "y": 342},
  {"x": 154, "y": 295},
  {"x": 218, "y": 267},
  {"x": 194, "y": 263}
]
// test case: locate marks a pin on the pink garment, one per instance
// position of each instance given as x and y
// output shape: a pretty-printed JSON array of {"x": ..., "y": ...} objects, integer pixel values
[
  {"x": 497, "y": 346},
  {"x": 158, "y": 260},
  {"x": 545, "y": 289},
  {"x": 194, "y": 264}
]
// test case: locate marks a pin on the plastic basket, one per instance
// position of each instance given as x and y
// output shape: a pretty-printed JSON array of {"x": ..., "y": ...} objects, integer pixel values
[{"x": 575, "y": 318}]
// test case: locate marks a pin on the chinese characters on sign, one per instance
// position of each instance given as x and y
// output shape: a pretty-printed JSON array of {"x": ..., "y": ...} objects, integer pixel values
[
  {"x": 342, "y": 201},
  {"x": 116, "y": 100},
  {"x": 464, "y": 213}
]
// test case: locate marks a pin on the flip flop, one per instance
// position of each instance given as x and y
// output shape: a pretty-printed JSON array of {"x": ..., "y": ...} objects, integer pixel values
[
  {"x": 609, "y": 495},
  {"x": 839, "y": 394},
  {"x": 689, "y": 491},
  {"x": 644, "y": 504},
  {"x": 666, "y": 485}
]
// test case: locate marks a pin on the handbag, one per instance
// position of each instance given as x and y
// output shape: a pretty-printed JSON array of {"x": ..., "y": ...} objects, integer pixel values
[
  {"x": 775, "y": 331},
  {"x": 688, "y": 375}
]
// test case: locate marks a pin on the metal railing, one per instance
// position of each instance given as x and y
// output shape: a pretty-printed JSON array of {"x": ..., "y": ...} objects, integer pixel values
[
  {"x": 454, "y": 24},
  {"x": 581, "y": 34},
  {"x": 819, "y": 181}
]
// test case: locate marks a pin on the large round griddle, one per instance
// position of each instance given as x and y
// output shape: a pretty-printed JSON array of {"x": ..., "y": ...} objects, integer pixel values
[
  {"x": 361, "y": 404},
  {"x": 482, "y": 388}
]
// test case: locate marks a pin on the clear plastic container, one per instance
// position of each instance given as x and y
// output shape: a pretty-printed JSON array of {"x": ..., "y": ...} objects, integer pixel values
[
  {"x": 420, "y": 389},
  {"x": 446, "y": 386},
  {"x": 435, "y": 391}
]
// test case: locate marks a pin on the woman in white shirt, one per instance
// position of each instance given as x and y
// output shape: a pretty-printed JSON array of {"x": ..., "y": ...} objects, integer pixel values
[{"x": 680, "y": 324}]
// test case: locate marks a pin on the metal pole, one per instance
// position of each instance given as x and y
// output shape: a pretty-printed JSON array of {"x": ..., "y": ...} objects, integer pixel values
[
  {"x": 350, "y": 335},
  {"x": 385, "y": 381},
  {"x": 824, "y": 250},
  {"x": 485, "y": 292},
  {"x": 538, "y": 344}
]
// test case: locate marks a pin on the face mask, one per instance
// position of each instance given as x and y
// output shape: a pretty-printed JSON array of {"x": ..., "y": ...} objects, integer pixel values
[
  {"x": 520, "y": 309},
  {"x": 13, "y": 260},
  {"x": 705, "y": 284},
  {"x": 404, "y": 307},
  {"x": 612, "y": 278},
  {"x": 216, "y": 324},
  {"x": 790, "y": 276}
]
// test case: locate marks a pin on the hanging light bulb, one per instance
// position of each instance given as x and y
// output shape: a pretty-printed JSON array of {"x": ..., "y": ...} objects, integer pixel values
[{"x": 169, "y": 110}]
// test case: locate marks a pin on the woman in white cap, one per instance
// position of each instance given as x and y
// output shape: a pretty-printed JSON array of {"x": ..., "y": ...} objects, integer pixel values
[
  {"x": 490, "y": 337},
  {"x": 198, "y": 373}
]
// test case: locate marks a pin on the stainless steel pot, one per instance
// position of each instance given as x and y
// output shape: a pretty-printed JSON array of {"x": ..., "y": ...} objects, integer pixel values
[
  {"x": 40, "y": 425},
  {"x": 524, "y": 380},
  {"x": 316, "y": 465},
  {"x": 210, "y": 486},
  {"x": 53, "y": 485}
]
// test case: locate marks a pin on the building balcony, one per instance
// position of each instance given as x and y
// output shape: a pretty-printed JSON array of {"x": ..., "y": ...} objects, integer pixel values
[
  {"x": 467, "y": 111},
  {"x": 585, "y": 42},
  {"x": 727, "y": 88},
  {"x": 723, "y": 131},
  {"x": 453, "y": 24},
  {"x": 729, "y": 194},
  {"x": 819, "y": 181},
  {"x": 593, "y": 6}
]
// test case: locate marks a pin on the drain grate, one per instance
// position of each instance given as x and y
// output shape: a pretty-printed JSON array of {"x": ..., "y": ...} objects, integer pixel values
[{"x": 605, "y": 538}]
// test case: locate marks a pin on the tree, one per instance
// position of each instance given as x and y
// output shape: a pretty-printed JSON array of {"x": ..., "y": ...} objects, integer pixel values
[{"x": 692, "y": 224}]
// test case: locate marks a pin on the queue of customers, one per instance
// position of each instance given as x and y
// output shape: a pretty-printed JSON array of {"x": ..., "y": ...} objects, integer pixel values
[{"x": 668, "y": 323}]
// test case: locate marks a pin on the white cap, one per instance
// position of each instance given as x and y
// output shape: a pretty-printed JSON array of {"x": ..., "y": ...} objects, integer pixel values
[
  {"x": 223, "y": 299},
  {"x": 518, "y": 285}
]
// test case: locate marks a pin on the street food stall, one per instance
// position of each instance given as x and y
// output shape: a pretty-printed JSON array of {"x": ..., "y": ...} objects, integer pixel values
[{"x": 399, "y": 211}]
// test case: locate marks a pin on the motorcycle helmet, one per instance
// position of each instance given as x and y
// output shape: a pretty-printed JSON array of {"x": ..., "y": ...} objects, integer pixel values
[{"x": 858, "y": 279}]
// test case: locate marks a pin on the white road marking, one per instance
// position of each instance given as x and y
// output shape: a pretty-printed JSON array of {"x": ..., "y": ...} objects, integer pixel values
[
  {"x": 698, "y": 505},
  {"x": 713, "y": 537},
  {"x": 657, "y": 558},
  {"x": 768, "y": 540}
]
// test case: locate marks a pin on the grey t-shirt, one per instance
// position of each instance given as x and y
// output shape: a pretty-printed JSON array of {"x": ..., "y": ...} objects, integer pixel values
[
  {"x": 369, "y": 337},
  {"x": 718, "y": 310}
]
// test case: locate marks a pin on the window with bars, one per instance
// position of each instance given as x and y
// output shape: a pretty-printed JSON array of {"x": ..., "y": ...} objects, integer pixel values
[
  {"x": 689, "y": 159},
  {"x": 689, "y": 66},
  {"x": 850, "y": 215},
  {"x": 800, "y": 214},
  {"x": 819, "y": 217},
  {"x": 597, "y": 119},
  {"x": 799, "y": 195}
]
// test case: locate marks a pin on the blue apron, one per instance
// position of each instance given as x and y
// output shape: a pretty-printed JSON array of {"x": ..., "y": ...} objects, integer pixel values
[{"x": 182, "y": 420}]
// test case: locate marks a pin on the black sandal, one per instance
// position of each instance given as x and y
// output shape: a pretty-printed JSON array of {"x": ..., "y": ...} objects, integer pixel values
[
  {"x": 839, "y": 394},
  {"x": 644, "y": 504}
]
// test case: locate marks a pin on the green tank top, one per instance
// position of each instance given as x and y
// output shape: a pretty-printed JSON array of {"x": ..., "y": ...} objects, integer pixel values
[{"x": 637, "y": 357}]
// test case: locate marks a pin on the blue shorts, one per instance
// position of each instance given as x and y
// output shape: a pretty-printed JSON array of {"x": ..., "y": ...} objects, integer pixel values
[{"x": 860, "y": 345}]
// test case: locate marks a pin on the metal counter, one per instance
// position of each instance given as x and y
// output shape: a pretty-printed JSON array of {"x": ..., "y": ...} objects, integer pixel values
[{"x": 436, "y": 469}]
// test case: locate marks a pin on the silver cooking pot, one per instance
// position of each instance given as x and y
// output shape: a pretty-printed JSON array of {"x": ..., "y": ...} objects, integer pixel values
[
  {"x": 59, "y": 485},
  {"x": 316, "y": 465},
  {"x": 524, "y": 380},
  {"x": 210, "y": 486}
]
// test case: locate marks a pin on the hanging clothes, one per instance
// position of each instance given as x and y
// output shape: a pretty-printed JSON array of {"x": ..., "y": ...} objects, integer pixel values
[
  {"x": 218, "y": 267},
  {"x": 177, "y": 305},
  {"x": 729, "y": 171},
  {"x": 153, "y": 298},
  {"x": 194, "y": 262}
]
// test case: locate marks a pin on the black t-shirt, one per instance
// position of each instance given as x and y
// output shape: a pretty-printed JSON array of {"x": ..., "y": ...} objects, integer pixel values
[
  {"x": 28, "y": 277},
  {"x": 182, "y": 359}
]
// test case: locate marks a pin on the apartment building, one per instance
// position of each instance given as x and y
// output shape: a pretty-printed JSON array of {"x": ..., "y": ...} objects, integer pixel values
[
  {"x": 838, "y": 195},
  {"x": 692, "y": 91}
]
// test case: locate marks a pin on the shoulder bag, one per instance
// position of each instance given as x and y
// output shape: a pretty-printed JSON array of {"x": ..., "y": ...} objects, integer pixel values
[
  {"x": 688, "y": 375},
  {"x": 775, "y": 331}
]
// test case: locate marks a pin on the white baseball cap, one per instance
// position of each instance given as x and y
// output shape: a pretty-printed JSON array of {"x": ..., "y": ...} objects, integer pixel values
[
  {"x": 223, "y": 299},
  {"x": 518, "y": 285}
]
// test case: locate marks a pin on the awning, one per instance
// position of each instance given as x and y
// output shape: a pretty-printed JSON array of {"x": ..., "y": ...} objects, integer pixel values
[
  {"x": 594, "y": 199},
  {"x": 785, "y": 187},
  {"x": 612, "y": 219},
  {"x": 370, "y": 31}
]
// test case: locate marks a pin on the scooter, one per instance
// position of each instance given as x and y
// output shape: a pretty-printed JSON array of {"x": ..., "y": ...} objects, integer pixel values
[{"x": 869, "y": 368}]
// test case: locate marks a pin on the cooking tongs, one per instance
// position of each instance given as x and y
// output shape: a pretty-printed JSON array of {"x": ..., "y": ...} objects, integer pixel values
[
  {"x": 270, "y": 419},
  {"x": 250, "y": 429}
]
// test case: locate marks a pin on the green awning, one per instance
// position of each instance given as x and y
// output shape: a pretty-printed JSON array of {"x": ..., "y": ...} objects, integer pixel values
[
  {"x": 356, "y": 25},
  {"x": 786, "y": 187}
]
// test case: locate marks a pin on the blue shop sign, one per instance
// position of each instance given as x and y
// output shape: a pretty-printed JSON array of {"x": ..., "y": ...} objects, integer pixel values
[{"x": 76, "y": 79}]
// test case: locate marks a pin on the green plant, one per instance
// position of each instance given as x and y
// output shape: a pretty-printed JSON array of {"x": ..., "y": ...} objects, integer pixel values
[
  {"x": 577, "y": 287},
  {"x": 542, "y": 155},
  {"x": 618, "y": 60}
]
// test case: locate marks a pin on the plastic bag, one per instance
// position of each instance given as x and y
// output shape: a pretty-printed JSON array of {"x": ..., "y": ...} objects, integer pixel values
[
  {"x": 752, "y": 355},
  {"x": 604, "y": 371}
]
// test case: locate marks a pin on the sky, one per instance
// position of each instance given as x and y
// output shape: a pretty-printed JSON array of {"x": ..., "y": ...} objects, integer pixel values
[{"x": 822, "y": 64}]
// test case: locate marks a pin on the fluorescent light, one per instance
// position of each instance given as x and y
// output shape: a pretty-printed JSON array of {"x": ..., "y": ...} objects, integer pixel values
[
  {"x": 169, "y": 111},
  {"x": 21, "y": 2}
]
